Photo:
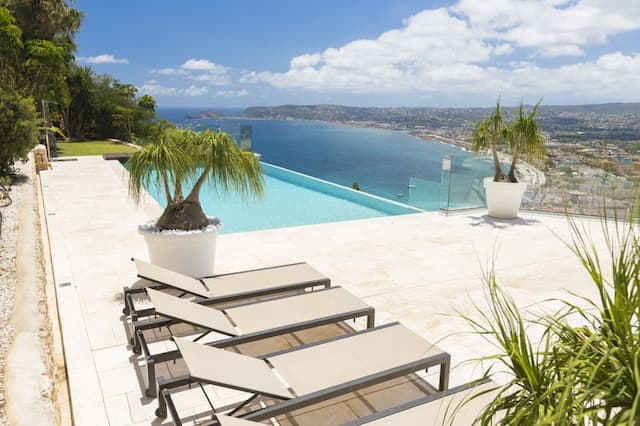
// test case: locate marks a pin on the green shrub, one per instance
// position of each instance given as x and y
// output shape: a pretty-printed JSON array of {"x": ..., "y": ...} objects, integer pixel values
[{"x": 18, "y": 128}]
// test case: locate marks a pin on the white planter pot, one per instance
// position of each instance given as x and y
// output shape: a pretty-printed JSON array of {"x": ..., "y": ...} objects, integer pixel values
[
  {"x": 189, "y": 252},
  {"x": 504, "y": 198}
]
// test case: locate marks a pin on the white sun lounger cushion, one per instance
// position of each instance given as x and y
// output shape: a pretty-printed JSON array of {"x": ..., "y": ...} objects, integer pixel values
[
  {"x": 261, "y": 279},
  {"x": 171, "y": 278},
  {"x": 191, "y": 312},
  {"x": 215, "y": 365},
  {"x": 257, "y": 317},
  {"x": 340, "y": 361},
  {"x": 294, "y": 309}
]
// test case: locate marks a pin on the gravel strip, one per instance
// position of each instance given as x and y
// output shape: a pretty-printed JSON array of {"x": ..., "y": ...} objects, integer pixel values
[{"x": 8, "y": 240}]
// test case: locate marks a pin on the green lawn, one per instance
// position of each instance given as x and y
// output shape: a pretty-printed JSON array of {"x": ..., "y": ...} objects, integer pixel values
[{"x": 74, "y": 149}]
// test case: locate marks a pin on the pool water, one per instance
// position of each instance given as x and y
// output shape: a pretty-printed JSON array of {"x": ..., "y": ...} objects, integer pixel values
[{"x": 291, "y": 199}]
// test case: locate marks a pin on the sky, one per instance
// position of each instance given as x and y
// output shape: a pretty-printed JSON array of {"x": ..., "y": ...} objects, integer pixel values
[{"x": 203, "y": 53}]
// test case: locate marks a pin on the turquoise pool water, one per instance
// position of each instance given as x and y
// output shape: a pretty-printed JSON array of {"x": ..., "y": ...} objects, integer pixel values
[{"x": 292, "y": 199}]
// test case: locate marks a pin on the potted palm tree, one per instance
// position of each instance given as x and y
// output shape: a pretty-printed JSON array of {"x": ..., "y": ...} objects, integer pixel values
[
  {"x": 180, "y": 162},
  {"x": 521, "y": 138}
]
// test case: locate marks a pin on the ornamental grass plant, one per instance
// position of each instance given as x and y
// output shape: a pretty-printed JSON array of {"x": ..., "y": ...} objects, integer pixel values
[{"x": 586, "y": 368}]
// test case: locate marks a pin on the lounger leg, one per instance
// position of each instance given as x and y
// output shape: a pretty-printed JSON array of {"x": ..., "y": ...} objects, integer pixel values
[
  {"x": 444, "y": 376},
  {"x": 371, "y": 319},
  {"x": 126, "y": 310},
  {"x": 161, "y": 411},
  {"x": 172, "y": 408},
  {"x": 163, "y": 389},
  {"x": 151, "y": 391},
  {"x": 137, "y": 338},
  {"x": 134, "y": 343}
]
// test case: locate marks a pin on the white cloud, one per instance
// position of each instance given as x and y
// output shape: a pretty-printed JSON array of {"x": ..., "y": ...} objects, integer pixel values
[
  {"x": 450, "y": 50},
  {"x": 153, "y": 88},
  {"x": 232, "y": 93},
  {"x": 195, "y": 91},
  {"x": 307, "y": 60},
  {"x": 503, "y": 49},
  {"x": 212, "y": 79},
  {"x": 169, "y": 71},
  {"x": 547, "y": 23},
  {"x": 203, "y": 65},
  {"x": 103, "y": 59},
  {"x": 561, "y": 50},
  {"x": 199, "y": 70}
]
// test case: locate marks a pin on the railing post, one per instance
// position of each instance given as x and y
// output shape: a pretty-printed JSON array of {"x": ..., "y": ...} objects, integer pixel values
[{"x": 445, "y": 184}]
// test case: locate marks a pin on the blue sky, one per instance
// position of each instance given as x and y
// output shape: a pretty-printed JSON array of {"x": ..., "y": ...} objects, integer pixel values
[{"x": 367, "y": 52}]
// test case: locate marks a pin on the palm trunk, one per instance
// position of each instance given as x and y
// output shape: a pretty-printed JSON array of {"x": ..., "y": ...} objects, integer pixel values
[
  {"x": 512, "y": 169},
  {"x": 194, "y": 195},
  {"x": 183, "y": 215},
  {"x": 178, "y": 192},
  {"x": 186, "y": 214},
  {"x": 498, "y": 174},
  {"x": 167, "y": 191}
]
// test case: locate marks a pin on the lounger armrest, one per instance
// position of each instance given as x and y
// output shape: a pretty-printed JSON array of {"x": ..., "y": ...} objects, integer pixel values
[{"x": 153, "y": 324}]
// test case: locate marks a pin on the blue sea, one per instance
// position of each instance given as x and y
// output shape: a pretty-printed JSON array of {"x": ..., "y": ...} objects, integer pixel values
[{"x": 382, "y": 162}]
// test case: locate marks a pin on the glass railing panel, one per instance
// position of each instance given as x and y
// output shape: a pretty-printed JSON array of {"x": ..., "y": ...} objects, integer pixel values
[
  {"x": 246, "y": 137},
  {"x": 423, "y": 194},
  {"x": 462, "y": 185}
]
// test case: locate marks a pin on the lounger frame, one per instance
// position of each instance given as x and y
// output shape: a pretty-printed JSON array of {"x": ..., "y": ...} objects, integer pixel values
[
  {"x": 129, "y": 306},
  {"x": 443, "y": 359},
  {"x": 151, "y": 360}
]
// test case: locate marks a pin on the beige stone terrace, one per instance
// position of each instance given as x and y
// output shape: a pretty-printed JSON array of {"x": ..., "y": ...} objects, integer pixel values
[{"x": 418, "y": 269}]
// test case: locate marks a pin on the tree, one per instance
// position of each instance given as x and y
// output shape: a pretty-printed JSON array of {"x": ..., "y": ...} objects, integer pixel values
[
  {"x": 147, "y": 102},
  {"x": 521, "y": 137},
  {"x": 156, "y": 129},
  {"x": 10, "y": 46},
  {"x": 182, "y": 156},
  {"x": 43, "y": 71},
  {"x": 524, "y": 139},
  {"x": 48, "y": 31},
  {"x": 144, "y": 114},
  {"x": 79, "y": 115},
  {"x": 491, "y": 133},
  {"x": 122, "y": 119},
  {"x": 18, "y": 128}
]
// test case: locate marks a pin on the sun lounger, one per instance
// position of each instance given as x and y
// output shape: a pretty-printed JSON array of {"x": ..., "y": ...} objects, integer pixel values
[
  {"x": 313, "y": 373},
  {"x": 457, "y": 406},
  {"x": 248, "y": 322},
  {"x": 224, "y": 287}
]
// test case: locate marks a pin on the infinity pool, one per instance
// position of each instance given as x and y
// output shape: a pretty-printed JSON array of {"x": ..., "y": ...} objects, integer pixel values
[{"x": 292, "y": 199}]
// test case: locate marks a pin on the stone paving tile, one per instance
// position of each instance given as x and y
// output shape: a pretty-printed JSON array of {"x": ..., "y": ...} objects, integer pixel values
[
  {"x": 118, "y": 410},
  {"x": 420, "y": 269}
]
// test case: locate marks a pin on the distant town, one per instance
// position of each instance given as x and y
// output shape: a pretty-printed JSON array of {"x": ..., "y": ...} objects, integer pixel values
[{"x": 593, "y": 150}]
